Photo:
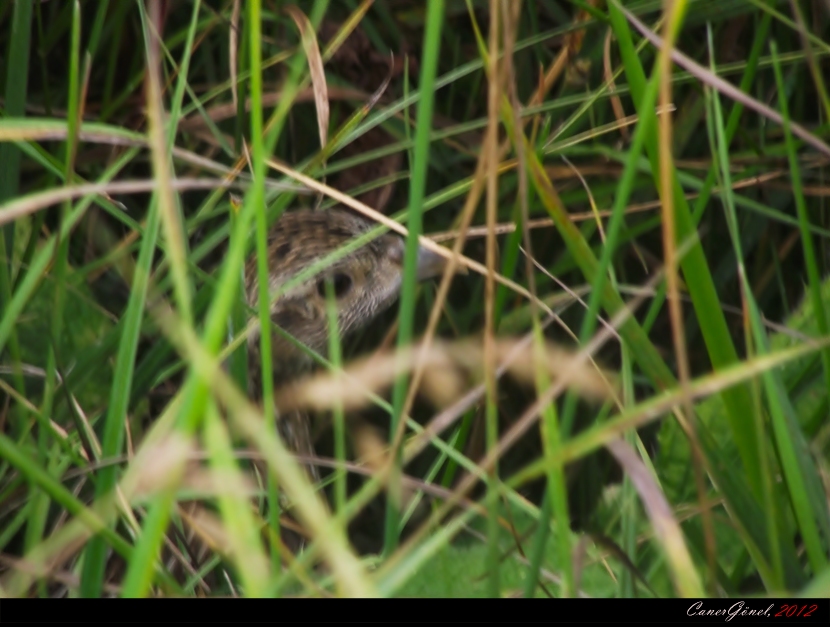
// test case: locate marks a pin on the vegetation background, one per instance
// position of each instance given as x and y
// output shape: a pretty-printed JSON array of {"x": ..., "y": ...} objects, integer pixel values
[{"x": 638, "y": 181}]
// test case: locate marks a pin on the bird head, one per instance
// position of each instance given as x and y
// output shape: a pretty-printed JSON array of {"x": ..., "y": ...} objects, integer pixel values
[{"x": 363, "y": 282}]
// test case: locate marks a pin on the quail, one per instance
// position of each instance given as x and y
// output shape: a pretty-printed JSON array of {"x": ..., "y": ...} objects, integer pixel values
[{"x": 365, "y": 282}]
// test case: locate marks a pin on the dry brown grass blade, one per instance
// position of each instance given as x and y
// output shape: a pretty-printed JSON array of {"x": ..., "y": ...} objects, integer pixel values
[
  {"x": 233, "y": 52},
  {"x": 665, "y": 526},
  {"x": 444, "y": 365},
  {"x": 150, "y": 471},
  {"x": 210, "y": 481},
  {"x": 212, "y": 531},
  {"x": 208, "y": 527},
  {"x": 684, "y": 412},
  {"x": 315, "y": 67},
  {"x": 47, "y": 130},
  {"x": 373, "y": 452},
  {"x": 20, "y": 207},
  {"x": 616, "y": 102}
]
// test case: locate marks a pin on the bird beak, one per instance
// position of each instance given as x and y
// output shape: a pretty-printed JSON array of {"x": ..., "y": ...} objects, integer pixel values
[{"x": 431, "y": 264}]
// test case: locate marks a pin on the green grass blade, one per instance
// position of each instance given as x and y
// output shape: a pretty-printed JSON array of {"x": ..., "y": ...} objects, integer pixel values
[{"x": 417, "y": 188}]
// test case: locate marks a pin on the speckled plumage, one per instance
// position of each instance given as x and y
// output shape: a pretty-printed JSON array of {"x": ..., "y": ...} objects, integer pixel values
[{"x": 365, "y": 282}]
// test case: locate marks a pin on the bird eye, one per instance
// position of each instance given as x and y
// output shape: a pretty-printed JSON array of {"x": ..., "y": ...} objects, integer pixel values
[{"x": 342, "y": 284}]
